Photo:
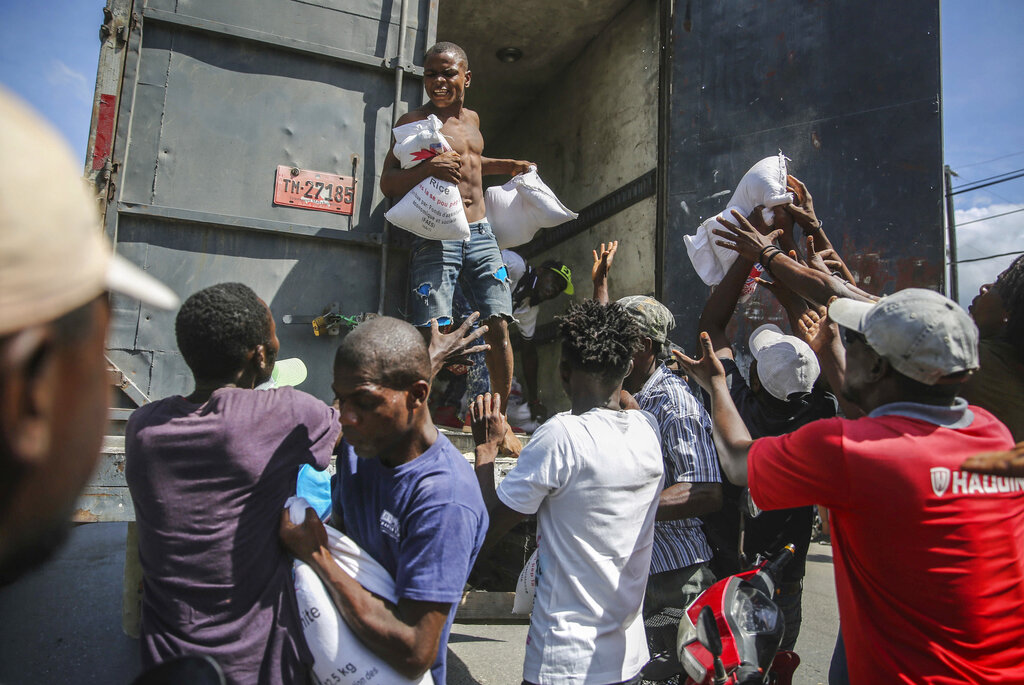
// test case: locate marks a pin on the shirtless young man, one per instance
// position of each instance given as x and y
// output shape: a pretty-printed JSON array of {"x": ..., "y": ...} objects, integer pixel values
[{"x": 436, "y": 265}]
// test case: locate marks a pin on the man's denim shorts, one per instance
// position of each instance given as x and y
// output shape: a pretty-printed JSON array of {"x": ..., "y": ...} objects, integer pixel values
[{"x": 436, "y": 265}]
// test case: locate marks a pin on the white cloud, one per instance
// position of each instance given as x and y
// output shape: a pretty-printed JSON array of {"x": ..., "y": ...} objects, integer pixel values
[
  {"x": 72, "y": 82},
  {"x": 984, "y": 238}
]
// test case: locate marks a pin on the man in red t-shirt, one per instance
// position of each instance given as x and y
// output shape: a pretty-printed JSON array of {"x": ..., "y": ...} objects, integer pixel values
[{"x": 929, "y": 559}]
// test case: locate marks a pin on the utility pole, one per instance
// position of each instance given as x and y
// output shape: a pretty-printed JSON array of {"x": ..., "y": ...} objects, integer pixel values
[{"x": 954, "y": 286}]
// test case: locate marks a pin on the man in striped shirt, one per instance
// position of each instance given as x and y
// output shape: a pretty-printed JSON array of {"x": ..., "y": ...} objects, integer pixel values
[{"x": 679, "y": 568}]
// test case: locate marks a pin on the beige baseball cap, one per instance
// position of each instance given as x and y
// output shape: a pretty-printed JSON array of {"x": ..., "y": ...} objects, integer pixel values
[{"x": 53, "y": 255}]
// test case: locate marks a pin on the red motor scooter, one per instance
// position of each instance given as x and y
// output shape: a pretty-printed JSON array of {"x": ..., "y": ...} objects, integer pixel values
[{"x": 731, "y": 633}]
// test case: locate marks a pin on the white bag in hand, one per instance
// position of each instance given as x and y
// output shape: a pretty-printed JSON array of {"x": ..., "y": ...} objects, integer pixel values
[
  {"x": 763, "y": 184},
  {"x": 339, "y": 658},
  {"x": 526, "y": 588},
  {"x": 433, "y": 208},
  {"x": 523, "y": 206}
]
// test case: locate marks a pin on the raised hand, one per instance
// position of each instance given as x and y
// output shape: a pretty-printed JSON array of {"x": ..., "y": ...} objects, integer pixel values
[
  {"x": 815, "y": 329},
  {"x": 448, "y": 347},
  {"x": 705, "y": 369},
  {"x": 603, "y": 261},
  {"x": 802, "y": 210},
  {"x": 488, "y": 423},
  {"x": 742, "y": 237}
]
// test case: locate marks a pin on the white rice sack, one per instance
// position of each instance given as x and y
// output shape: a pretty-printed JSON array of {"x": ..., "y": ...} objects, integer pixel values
[
  {"x": 433, "y": 209},
  {"x": 523, "y": 206},
  {"x": 763, "y": 184},
  {"x": 526, "y": 588},
  {"x": 339, "y": 658}
]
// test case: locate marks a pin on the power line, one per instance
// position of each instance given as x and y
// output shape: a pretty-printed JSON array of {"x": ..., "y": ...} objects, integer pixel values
[
  {"x": 989, "y": 178},
  {"x": 990, "y": 216},
  {"x": 991, "y": 256},
  {"x": 985, "y": 185},
  {"x": 994, "y": 159}
]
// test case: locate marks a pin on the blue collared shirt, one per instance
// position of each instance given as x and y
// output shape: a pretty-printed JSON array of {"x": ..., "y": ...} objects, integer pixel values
[{"x": 688, "y": 450}]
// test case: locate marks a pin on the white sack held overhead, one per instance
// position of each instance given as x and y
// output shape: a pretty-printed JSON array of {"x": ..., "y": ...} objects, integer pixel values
[
  {"x": 764, "y": 184},
  {"x": 339, "y": 658},
  {"x": 526, "y": 588},
  {"x": 433, "y": 208},
  {"x": 523, "y": 206}
]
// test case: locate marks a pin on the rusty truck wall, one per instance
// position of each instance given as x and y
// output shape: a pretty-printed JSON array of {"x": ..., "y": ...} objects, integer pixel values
[
  {"x": 849, "y": 91},
  {"x": 215, "y": 96}
]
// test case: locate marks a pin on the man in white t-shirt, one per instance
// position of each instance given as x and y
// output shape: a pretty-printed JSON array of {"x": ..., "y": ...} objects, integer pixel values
[
  {"x": 530, "y": 287},
  {"x": 592, "y": 476}
]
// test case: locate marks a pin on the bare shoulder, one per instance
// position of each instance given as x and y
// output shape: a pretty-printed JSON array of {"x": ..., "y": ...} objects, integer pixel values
[
  {"x": 418, "y": 114},
  {"x": 470, "y": 117}
]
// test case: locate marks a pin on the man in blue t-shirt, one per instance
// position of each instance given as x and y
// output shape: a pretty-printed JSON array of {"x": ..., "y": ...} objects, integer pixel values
[{"x": 404, "y": 494}]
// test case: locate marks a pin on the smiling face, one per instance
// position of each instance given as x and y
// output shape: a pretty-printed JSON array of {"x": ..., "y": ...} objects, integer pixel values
[{"x": 445, "y": 79}]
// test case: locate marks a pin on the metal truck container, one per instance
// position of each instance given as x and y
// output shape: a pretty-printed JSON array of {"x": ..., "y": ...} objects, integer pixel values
[{"x": 214, "y": 119}]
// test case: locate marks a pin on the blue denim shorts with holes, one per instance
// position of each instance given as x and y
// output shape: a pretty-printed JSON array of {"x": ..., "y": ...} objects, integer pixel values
[{"x": 436, "y": 266}]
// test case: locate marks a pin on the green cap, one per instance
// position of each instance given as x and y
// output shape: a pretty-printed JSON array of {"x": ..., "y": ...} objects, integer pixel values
[
  {"x": 565, "y": 272},
  {"x": 654, "y": 318}
]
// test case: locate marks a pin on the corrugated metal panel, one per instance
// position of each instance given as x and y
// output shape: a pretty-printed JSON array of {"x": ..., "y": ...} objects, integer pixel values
[
  {"x": 216, "y": 95},
  {"x": 849, "y": 91}
]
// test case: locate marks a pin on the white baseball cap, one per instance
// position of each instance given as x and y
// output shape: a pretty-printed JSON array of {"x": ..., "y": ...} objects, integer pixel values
[
  {"x": 924, "y": 335},
  {"x": 785, "y": 363},
  {"x": 53, "y": 255}
]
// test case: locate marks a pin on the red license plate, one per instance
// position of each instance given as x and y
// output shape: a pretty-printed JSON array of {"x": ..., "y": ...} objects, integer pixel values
[{"x": 314, "y": 190}]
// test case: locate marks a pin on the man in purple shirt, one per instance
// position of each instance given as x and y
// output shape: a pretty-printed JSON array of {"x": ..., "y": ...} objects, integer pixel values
[{"x": 209, "y": 474}]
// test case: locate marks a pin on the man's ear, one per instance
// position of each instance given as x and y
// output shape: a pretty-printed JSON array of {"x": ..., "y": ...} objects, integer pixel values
[
  {"x": 469, "y": 77},
  {"x": 629, "y": 369},
  {"x": 881, "y": 368},
  {"x": 28, "y": 392},
  {"x": 419, "y": 392}
]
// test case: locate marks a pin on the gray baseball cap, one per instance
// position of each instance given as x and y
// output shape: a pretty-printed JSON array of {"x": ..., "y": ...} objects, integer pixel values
[
  {"x": 785, "y": 363},
  {"x": 654, "y": 318},
  {"x": 924, "y": 335}
]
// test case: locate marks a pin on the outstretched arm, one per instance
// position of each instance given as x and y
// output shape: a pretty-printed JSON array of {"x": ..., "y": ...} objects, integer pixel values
[
  {"x": 602, "y": 266},
  {"x": 808, "y": 283},
  {"x": 802, "y": 212},
  {"x": 445, "y": 347},
  {"x": 489, "y": 428},
  {"x": 1009, "y": 464},
  {"x": 406, "y": 635},
  {"x": 732, "y": 439},
  {"x": 721, "y": 304},
  {"x": 502, "y": 167},
  {"x": 822, "y": 335}
]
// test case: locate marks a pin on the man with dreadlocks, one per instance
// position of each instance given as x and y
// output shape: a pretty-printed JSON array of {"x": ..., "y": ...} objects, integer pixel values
[
  {"x": 592, "y": 475},
  {"x": 998, "y": 385}
]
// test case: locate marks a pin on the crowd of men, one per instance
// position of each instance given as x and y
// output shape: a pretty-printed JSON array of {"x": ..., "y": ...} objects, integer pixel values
[{"x": 859, "y": 410}]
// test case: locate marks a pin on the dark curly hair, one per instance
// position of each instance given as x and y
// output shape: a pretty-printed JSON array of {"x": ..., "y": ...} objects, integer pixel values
[
  {"x": 1010, "y": 286},
  {"x": 218, "y": 326},
  {"x": 600, "y": 339}
]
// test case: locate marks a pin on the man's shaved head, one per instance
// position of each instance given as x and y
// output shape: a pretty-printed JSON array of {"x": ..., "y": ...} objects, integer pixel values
[
  {"x": 444, "y": 47},
  {"x": 388, "y": 351}
]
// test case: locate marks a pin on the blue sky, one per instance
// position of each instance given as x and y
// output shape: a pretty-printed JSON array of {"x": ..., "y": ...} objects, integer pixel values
[{"x": 49, "y": 53}]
